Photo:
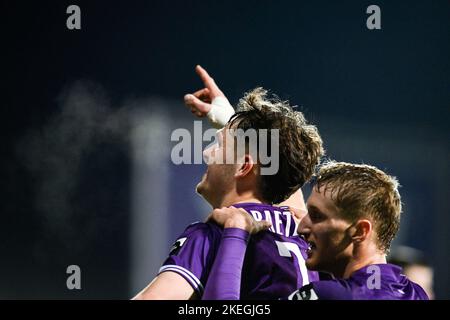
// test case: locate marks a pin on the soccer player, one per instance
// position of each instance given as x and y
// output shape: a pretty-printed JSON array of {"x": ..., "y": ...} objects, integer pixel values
[
  {"x": 274, "y": 264},
  {"x": 353, "y": 215}
]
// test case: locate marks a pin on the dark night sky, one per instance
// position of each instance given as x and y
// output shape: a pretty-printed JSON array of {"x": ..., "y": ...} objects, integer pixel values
[
  {"x": 318, "y": 54},
  {"x": 143, "y": 48}
]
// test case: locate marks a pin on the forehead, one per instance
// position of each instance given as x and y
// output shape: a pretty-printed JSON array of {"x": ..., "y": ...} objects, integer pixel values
[{"x": 322, "y": 200}]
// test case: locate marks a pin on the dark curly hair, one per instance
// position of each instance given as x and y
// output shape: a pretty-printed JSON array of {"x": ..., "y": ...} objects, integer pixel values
[{"x": 300, "y": 145}]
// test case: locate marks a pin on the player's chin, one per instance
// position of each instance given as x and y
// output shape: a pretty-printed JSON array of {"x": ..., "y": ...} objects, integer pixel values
[
  {"x": 202, "y": 186},
  {"x": 312, "y": 262}
]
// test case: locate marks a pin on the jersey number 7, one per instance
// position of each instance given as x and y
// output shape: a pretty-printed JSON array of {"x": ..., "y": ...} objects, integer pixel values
[{"x": 285, "y": 249}]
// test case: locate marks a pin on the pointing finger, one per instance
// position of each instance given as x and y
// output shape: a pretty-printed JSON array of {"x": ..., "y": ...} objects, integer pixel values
[{"x": 208, "y": 82}]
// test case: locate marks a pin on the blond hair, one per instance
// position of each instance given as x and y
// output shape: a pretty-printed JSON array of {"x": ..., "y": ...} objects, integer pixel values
[{"x": 363, "y": 191}]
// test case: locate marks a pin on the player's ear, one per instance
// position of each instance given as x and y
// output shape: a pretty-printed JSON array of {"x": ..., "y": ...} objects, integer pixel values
[
  {"x": 246, "y": 166},
  {"x": 360, "y": 230}
]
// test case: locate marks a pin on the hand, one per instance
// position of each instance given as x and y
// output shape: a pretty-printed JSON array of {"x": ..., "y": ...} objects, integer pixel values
[
  {"x": 237, "y": 218},
  {"x": 199, "y": 102}
]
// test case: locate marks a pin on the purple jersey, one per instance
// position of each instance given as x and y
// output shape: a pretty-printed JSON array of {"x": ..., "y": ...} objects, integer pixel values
[
  {"x": 373, "y": 282},
  {"x": 274, "y": 263}
]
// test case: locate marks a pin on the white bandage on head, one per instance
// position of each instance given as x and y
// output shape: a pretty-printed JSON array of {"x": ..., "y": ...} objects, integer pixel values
[{"x": 221, "y": 111}]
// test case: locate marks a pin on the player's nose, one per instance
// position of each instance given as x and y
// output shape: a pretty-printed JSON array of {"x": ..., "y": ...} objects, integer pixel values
[{"x": 304, "y": 227}]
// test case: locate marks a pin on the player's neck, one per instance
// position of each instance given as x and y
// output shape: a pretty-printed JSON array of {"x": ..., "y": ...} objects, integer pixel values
[
  {"x": 234, "y": 198},
  {"x": 361, "y": 261}
]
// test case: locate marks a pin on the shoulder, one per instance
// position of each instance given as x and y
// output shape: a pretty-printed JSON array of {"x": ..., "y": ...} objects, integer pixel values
[
  {"x": 202, "y": 228},
  {"x": 196, "y": 234},
  {"x": 196, "y": 226},
  {"x": 420, "y": 292}
]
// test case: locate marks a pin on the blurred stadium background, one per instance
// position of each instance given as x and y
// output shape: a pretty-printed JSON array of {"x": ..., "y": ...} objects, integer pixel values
[{"x": 87, "y": 117}]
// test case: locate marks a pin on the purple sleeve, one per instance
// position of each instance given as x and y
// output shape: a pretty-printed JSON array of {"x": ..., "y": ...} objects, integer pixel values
[
  {"x": 224, "y": 282},
  {"x": 191, "y": 256}
]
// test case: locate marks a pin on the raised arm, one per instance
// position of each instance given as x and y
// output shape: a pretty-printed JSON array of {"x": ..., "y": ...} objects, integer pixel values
[{"x": 210, "y": 101}]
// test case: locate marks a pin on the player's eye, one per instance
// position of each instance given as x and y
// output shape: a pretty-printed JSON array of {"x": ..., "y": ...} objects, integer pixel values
[{"x": 316, "y": 215}]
